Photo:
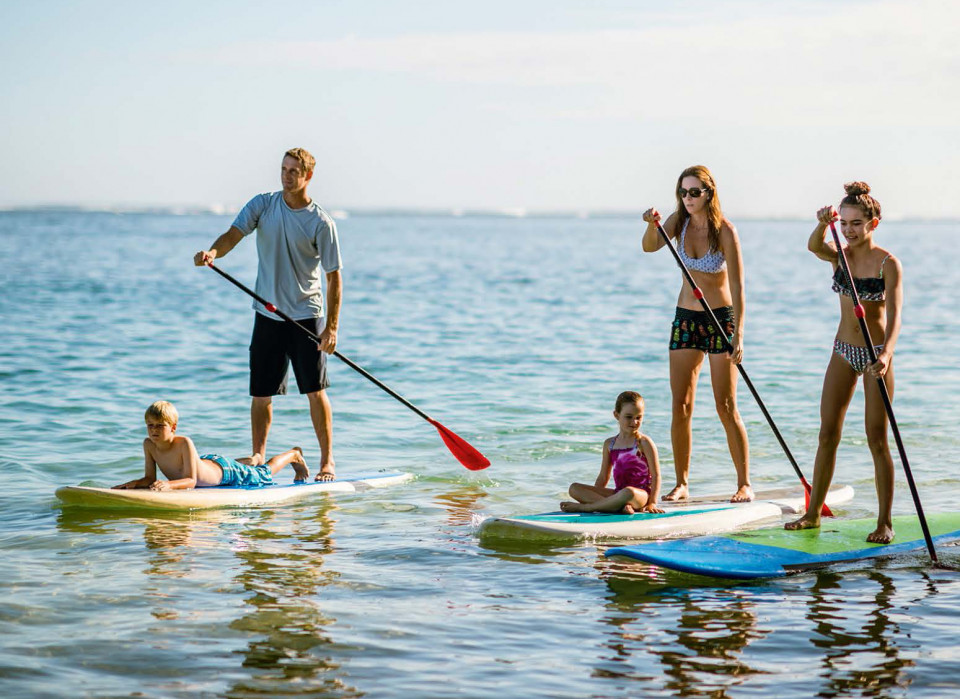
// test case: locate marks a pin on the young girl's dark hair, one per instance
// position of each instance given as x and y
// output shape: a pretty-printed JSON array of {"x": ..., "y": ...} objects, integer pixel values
[
  {"x": 628, "y": 397},
  {"x": 858, "y": 194}
]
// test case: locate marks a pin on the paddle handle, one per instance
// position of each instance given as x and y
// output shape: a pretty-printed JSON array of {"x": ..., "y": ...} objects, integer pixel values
[
  {"x": 884, "y": 394},
  {"x": 698, "y": 294},
  {"x": 349, "y": 362}
]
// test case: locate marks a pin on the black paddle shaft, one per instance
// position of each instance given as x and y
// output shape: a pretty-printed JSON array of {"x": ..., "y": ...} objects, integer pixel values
[
  {"x": 350, "y": 363},
  {"x": 729, "y": 348},
  {"x": 884, "y": 394}
]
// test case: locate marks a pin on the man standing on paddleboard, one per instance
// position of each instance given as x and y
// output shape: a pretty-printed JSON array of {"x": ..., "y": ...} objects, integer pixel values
[{"x": 296, "y": 245}]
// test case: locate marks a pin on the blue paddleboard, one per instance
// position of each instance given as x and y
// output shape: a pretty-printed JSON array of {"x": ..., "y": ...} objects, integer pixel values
[{"x": 776, "y": 552}]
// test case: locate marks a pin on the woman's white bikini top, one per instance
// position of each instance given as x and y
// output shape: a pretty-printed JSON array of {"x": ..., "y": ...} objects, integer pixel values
[{"x": 712, "y": 263}]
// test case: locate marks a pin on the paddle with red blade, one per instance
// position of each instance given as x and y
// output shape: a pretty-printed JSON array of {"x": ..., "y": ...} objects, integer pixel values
[
  {"x": 466, "y": 454},
  {"x": 884, "y": 394},
  {"x": 743, "y": 372}
]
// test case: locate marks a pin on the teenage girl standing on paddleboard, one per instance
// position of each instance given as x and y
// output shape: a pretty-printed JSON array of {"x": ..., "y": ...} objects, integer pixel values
[
  {"x": 632, "y": 458},
  {"x": 710, "y": 248},
  {"x": 877, "y": 276}
]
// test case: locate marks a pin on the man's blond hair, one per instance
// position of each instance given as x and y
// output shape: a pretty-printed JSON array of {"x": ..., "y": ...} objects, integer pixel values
[
  {"x": 303, "y": 155},
  {"x": 163, "y": 411}
]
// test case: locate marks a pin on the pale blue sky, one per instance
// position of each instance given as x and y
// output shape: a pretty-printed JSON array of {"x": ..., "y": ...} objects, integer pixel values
[{"x": 542, "y": 105}]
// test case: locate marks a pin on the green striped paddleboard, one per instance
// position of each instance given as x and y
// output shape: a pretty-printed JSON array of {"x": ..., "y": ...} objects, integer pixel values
[{"x": 775, "y": 552}]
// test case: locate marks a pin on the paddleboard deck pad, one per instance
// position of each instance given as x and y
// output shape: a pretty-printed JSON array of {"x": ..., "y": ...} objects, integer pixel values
[
  {"x": 221, "y": 496},
  {"x": 678, "y": 520},
  {"x": 791, "y": 499},
  {"x": 776, "y": 552}
]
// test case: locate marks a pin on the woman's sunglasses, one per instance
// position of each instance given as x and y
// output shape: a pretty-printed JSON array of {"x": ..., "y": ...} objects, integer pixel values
[{"x": 694, "y": 192}]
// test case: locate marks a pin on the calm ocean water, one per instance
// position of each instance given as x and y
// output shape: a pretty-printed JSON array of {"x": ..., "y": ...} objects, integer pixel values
[{"x": 515, "y": 333}]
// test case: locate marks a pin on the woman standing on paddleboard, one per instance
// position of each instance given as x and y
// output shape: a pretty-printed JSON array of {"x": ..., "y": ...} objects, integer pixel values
[
  {"x": 709, "y": 247},
  {"x": 878, "y": 280}
]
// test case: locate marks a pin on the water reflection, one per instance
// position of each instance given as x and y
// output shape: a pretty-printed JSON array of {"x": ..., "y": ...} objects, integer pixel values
[
  {"x": 861, "y": 652},
  {"x": 461, "y": 503},
  {"x": 697, "y": 637},
  {"x": 277, "y": 559},
  {"x": 283, "y": 572}
]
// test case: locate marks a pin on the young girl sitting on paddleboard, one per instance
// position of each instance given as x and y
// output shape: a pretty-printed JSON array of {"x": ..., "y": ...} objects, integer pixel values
[
  {"x": 177, "y": 459},
  {"x": 632, "y": 457},
  {"x": 877, "y": 276}
]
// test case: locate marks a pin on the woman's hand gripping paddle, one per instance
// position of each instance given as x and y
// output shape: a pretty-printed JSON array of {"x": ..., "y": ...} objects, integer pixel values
[
  {"x": 887, "y": 404},
  {"x": 825, "y": 511},
  {"x": 466, "y": 454}
]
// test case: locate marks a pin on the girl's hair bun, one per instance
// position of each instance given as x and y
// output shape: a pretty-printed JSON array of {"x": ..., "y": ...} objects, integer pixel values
[{"x": 855, "y": 189}]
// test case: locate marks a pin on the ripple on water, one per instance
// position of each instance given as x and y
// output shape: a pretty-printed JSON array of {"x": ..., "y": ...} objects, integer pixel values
[{"x": 516, "y": 334}]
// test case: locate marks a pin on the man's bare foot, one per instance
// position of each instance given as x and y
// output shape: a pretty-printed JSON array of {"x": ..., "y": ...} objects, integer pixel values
[
  {"x": 744, "y": 494},
  {"x": 326, "y": 472},
  {"x": 300, "y": 470},
  {"x": 883, "y": 534},
  {"x": 803, "y": 523},
  {"x": 570, "y": 506},
  {"x": 679, "y": 492},
  {"x": 252, "y": 460}
]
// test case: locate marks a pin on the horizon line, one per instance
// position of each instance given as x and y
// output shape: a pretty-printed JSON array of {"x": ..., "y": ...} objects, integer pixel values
[{"x": 425, "y": 212}]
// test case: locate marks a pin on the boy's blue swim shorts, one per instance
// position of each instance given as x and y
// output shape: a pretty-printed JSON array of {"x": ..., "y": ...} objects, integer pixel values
[{"x": 235, "y": 473}]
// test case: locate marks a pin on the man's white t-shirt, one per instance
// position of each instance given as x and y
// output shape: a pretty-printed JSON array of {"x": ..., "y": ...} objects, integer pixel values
[{"x": 296, "y": 248}]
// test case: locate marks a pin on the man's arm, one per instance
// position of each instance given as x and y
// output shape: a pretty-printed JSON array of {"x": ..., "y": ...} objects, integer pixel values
[
  {"x": 328, "y": 338},
  {"x": 221, "y": 246}
]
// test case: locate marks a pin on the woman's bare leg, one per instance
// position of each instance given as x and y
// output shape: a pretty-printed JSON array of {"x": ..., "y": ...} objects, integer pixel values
[
  {"x": 684, "y": 370},
  {"x": 723, "y": 376}
]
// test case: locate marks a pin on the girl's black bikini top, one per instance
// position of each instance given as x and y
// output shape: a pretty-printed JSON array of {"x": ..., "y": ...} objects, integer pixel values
[{"x": 868, "y": 288}]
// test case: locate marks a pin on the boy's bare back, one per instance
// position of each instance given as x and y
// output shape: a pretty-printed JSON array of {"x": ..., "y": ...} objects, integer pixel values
[{"x": 180, "y": 461}]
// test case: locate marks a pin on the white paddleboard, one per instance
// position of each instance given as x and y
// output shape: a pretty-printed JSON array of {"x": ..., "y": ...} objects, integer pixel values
[
  {"x": 220, "y": 496},
  {"x": 678, "y": 520}
]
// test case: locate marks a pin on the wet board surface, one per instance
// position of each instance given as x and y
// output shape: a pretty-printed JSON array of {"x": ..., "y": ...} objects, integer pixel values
[
  {"x": 679, "y": 520},
  {"x": 775, "y": 552},
  {"x": 202, "y": 498}
]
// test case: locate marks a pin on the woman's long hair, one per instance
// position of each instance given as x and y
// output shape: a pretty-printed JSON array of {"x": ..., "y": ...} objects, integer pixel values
[{"x": 714, "y": 213}]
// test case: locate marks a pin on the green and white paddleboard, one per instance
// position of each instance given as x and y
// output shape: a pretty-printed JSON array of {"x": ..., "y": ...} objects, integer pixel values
[
  {"x": 682, "y": 520},
  {"x": 776, "y": 552},
  {"x": 706, "y": 514}
]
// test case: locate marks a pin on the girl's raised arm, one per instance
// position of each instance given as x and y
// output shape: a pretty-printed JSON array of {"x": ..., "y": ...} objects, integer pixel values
[{"x": 817, "y": 244}]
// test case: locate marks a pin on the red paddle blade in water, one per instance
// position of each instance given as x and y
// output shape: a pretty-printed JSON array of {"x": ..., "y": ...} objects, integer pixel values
[{"x": 461, "y": 449}]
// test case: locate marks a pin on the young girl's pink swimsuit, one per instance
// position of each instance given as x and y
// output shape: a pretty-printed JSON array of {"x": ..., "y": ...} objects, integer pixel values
[{"x": 629, "y": 467}]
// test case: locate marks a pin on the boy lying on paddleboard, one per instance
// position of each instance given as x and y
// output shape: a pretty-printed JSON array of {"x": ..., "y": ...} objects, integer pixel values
[{"x": 178, "y": 460}]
